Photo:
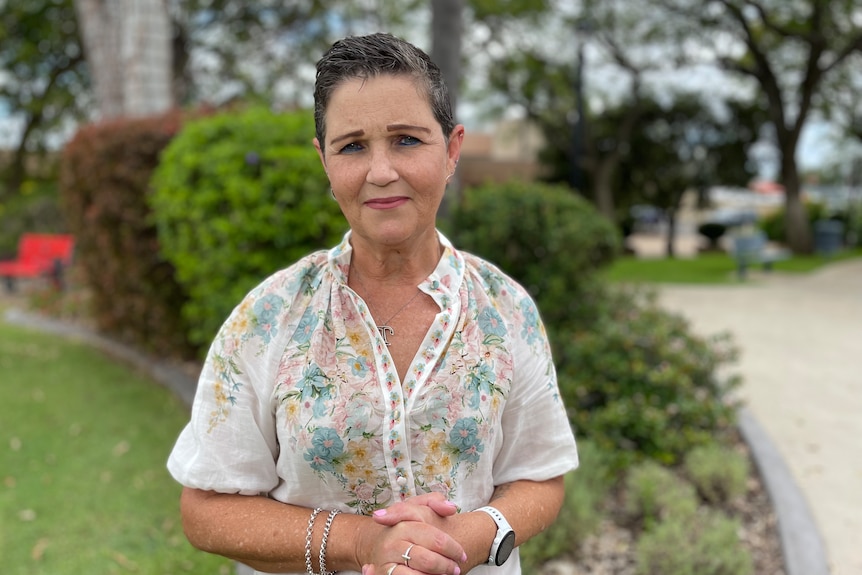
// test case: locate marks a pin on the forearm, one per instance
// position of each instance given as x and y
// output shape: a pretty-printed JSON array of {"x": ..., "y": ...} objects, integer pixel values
[
  {"x": 265, "y": 534},
  {"x": 530, "y": 507},
  {"x": 271, "y": 536}
]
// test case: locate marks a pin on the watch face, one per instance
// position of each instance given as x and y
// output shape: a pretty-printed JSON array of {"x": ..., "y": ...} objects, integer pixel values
[{"x": 506, "y": 547}]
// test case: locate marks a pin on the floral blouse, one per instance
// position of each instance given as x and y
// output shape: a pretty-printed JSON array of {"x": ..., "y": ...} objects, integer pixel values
[{"x": 299, "y": 398}]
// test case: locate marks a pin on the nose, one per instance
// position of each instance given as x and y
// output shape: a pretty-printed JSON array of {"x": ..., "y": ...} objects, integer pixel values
[{"x": 381, "y": 170}]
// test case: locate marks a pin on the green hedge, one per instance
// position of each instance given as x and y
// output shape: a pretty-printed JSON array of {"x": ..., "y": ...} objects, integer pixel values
[
  {"x": 547, "y": 237},
  {"x": 104, "y": 185},
  {"x": 237, "y": 197}
]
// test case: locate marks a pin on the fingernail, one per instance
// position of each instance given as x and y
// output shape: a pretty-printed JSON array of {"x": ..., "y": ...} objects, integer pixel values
[
  {"x": 364, "y": 569},
  {"x": 380, "y": 513},
  {"x": 451, "y": 503},
  {"x": 464, "y": 557},
  {"x": 457, "y": 570}
]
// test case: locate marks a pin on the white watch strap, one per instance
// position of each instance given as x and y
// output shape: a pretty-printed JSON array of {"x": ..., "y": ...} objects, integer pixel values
[{"x": 503, "y": 527}]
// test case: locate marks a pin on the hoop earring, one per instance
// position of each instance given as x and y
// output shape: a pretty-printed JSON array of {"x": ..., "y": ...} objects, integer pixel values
[{"x": 332, "y": 193}]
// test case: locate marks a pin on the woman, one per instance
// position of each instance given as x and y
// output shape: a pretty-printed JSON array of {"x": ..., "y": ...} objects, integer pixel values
[{"x": 390, "y": 405}]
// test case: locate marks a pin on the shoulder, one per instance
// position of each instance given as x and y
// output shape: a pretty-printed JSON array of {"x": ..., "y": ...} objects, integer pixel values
[
  {"x": 489, "y": 278},
  {"x": 302, "y": 277}
]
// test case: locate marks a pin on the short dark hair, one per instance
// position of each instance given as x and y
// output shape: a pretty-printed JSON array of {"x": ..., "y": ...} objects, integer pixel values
[{"x": 375, "y": 55}]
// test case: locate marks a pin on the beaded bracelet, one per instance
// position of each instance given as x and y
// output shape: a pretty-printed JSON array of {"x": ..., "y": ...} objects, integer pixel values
[
  {"x": 308, "y": 531},
  {"x": 326, "y": 529}
]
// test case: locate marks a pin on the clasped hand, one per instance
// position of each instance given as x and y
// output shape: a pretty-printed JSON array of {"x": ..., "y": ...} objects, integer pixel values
[{"x": 415, "y": 541}]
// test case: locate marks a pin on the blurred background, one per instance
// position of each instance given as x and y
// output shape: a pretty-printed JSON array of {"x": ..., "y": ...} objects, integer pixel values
[{"x": 156, "y": 163}]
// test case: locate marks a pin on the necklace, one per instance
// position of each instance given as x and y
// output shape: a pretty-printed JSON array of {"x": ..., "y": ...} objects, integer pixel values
[{"x": 385, "y": 329}]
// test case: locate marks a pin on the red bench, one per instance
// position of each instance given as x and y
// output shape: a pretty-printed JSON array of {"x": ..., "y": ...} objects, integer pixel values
[{"x": 39, "y": 255}]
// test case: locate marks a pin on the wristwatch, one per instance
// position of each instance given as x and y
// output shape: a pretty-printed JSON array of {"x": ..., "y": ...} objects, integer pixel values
[{"x": 504, "y": 542}]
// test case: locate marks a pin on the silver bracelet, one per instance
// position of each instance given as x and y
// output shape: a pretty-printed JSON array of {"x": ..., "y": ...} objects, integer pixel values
[
  {"x": 308, "y": 531},
  {"x": 326, "y": 529}
]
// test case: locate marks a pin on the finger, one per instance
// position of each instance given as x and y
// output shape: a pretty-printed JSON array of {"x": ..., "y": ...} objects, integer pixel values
[
  {"x": 438, "y": 552},
  {"x": 414, "y": 508},
  {"x": 426, "y": 561},
  {"x": 404, "y": 512},
  {"x": 443, "y": 507}
]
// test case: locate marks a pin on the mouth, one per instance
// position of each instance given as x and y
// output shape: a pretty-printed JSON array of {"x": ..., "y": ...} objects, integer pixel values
[{"x": 386, "y": 203}]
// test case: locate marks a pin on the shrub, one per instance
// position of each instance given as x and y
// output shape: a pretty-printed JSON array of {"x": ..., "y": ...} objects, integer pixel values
[
  {"x": 719, "y": 473},
  {"x": 654, "y": 493},
  {"x": 104, "y": 185},
  {"x": 586, "y": 490},
  {"x": 774, "y": 225},
  {"x": 238, "y": 196},
  {"x": 640, "y": 383},
  {"x": 547, "y": 237},
  {"x": 701, "y": 544}
]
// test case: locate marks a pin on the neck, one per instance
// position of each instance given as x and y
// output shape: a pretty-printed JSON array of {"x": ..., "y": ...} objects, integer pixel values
[{"x": 407, "y": 264}]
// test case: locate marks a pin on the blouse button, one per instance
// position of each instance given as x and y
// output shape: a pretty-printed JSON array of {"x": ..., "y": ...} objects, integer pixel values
[{"x": 402, "y": 481}]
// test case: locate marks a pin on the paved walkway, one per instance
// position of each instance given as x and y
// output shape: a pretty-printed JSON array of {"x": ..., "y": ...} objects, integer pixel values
[{"x": 801, "y": 361}]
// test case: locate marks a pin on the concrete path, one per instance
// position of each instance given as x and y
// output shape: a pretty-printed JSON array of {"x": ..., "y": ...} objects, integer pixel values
[{"x": 801, "y": 361}]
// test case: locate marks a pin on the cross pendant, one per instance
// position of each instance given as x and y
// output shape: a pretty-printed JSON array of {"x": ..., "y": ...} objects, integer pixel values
[{"x": 383, "y": 329}]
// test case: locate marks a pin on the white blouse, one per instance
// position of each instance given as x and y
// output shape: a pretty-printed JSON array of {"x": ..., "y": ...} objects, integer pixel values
[{"x": 299, "y": 398}]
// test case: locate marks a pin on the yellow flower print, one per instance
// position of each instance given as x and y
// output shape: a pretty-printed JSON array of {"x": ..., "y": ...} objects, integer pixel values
[
  {"x": 434, "y": 444},
  {"x": 292, "y": 410}
]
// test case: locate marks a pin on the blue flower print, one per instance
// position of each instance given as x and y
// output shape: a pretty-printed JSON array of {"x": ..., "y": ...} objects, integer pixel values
[
  {"x": 326, "y": 448},
  {"x": 359, "y": 366},
  {"x": 266, "y": 311},
  {"x": 438, "y": 409},
  {"x": 530, "y": 329},
  {"x": 491, "y": 323},
  {"x": 306, "y": 326},
  {"x": 482, "y": 377},
  {"x": 315, "y": 385},
  {"x": 465, "y": 438}
]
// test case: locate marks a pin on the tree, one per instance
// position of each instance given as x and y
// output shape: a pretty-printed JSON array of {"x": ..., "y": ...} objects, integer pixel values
[
  {"x": 129, "y": 52},
  {"x": 446, "y": 32},
  {"x": 546, "y": 79},
  {"x": 45, "y": 81},
  {"x": 789, "y": 49},
  {"x": 688, "y": 145}
]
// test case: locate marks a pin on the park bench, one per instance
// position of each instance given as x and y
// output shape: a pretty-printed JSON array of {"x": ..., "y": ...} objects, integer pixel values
[
  {"x": 39, "y": 255},
  {"x": 750, "y": 248}
]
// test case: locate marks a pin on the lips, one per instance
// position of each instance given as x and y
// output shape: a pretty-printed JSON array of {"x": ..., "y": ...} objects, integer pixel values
[{"x": 386, "y": 203}]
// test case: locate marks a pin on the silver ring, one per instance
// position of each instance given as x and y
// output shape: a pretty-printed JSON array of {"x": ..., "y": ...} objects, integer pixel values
[
  {"x": 391, "y": 569},
  {"x": 406, "y": 556}
]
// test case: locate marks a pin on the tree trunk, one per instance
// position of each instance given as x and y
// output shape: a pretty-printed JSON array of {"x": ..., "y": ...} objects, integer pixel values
[
  {"x": 100, "y": 35},
  {"x": 446, "y": 32},
  {"x": 797, "y": 226},
  {"x": 603, "y": 190},
  {"x": 147, "y": 46},
  {"x": 128, "y": 44}
]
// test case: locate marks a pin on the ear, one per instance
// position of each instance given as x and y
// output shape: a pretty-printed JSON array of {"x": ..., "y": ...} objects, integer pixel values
[
  {"x": 456, "y": 138},
  {"x": 320, "y": 154}
]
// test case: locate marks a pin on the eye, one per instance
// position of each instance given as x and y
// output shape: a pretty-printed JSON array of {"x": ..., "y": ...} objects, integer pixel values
[
  {"x": 350, "y": 148},
  {"x": 408, "y": 141}
]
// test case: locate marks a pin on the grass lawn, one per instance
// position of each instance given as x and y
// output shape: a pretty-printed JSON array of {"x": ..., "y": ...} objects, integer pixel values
[
  {"x": 707, "y": 268},
  {"x": 83, "y": 445}
]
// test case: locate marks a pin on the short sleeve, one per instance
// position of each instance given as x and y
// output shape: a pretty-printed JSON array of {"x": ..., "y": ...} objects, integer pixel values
[
  {"x": 538, "y": 443},
  {"x": 230, "y": 444}
]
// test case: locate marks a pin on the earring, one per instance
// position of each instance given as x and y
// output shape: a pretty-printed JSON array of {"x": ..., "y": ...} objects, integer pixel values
[{"x": 332, "y": 193}]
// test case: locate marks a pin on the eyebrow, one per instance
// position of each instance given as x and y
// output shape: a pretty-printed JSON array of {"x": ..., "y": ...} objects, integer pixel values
[{"x": 389, "y": 128}]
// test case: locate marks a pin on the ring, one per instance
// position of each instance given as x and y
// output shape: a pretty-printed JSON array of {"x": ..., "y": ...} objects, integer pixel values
[
  {"x": 391, "y": 569},
  {"x": 406, "y": 556}
]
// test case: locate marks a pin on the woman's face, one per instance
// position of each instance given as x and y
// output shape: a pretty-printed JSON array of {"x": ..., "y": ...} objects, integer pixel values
[{"x": 386, "y": 158}]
